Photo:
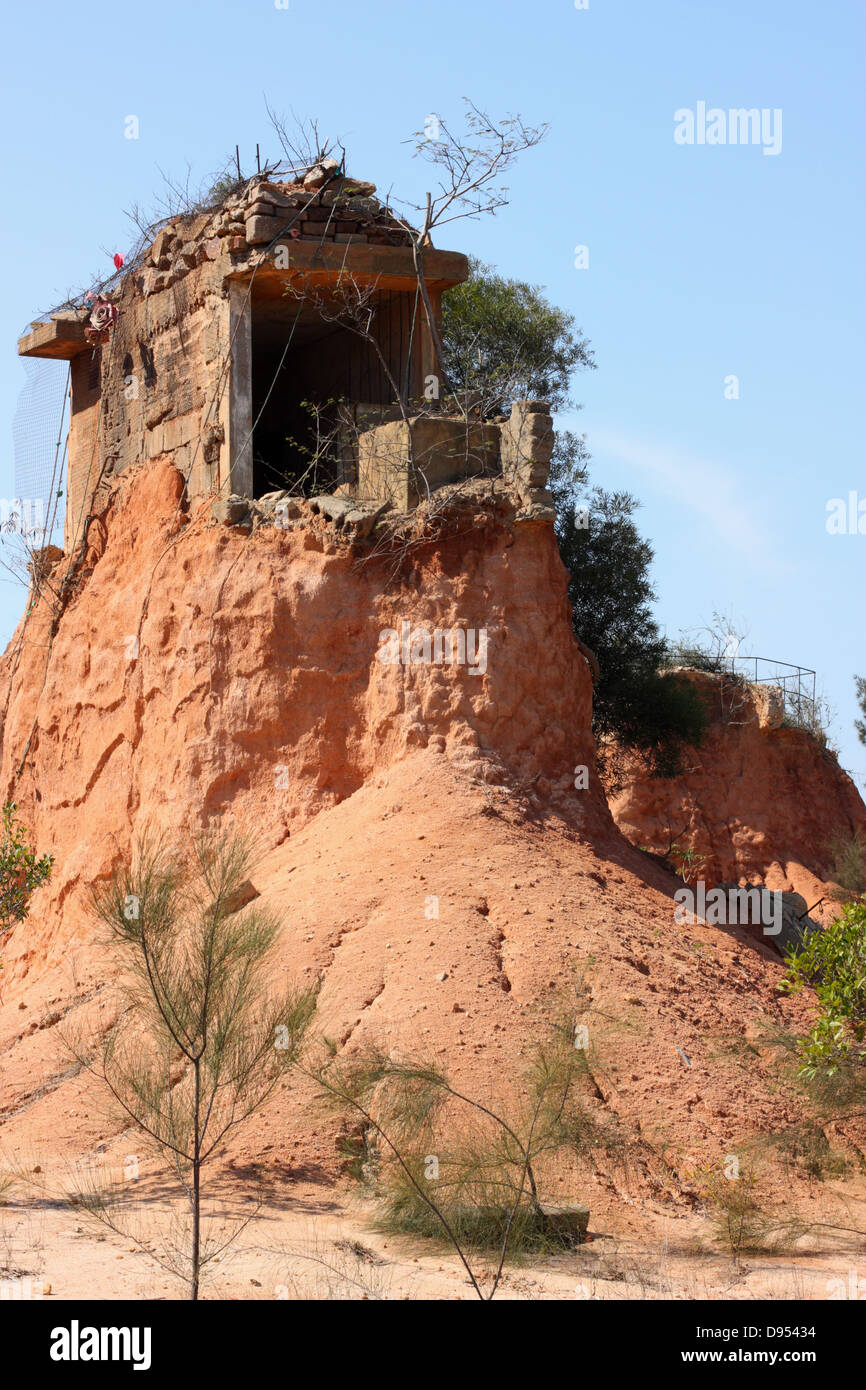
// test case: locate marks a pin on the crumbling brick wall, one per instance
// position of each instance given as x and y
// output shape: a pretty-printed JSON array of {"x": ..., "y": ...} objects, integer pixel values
[{"x": 146, "y": 393}]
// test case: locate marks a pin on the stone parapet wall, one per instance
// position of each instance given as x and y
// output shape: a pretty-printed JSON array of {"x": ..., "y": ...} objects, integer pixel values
[
  {"x": 332, "y": 214},
  {"x": 526, "y": 451},
  {"x": 399, "y": 462},
  {"x": 402, "y": 461}
]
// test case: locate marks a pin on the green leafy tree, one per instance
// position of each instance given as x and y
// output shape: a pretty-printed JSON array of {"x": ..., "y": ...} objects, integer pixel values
[
  {"x": 21, "y": 872},
  {"x": 860, "y": 724},
  {"x": 611, "y": 594},
  {"x": 833, "y": 962},
  {"x": 503, "y": 339}
]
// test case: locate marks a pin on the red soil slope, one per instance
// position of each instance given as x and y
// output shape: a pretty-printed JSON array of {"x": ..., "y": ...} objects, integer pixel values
[
  {"x": 756, "y": 801},
  {"x": 204, "y": 673}
]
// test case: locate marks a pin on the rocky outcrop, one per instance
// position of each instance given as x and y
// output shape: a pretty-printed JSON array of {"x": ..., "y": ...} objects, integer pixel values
[
  {"x": 266, "y": 671},
  {"x": 405, "y": 722},
  {"x": 757, "y": 801}
]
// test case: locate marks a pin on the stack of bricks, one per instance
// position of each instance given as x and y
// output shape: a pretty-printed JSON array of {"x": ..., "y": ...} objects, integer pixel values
[
  {"x": 343, "y": 214},
  {"x": 177, "y": 249},
  {"x": 526, "y": 448}
]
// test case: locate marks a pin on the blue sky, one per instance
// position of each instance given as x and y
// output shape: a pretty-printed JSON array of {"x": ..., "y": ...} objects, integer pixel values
[{"x": 705, "y": 261}]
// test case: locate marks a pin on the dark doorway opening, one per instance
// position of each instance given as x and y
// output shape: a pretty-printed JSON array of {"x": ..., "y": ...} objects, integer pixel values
[{"x": 313, "y": 381}]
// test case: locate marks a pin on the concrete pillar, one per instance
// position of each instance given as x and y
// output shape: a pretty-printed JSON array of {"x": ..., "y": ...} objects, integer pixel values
[
  {"x": 236, "y": 462},
  {"x": 427, "y": 359},
  {"x": 83, "y": 444}
]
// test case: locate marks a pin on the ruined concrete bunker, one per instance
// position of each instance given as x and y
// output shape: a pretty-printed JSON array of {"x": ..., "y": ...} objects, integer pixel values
[{"x": 241, "y": 336}]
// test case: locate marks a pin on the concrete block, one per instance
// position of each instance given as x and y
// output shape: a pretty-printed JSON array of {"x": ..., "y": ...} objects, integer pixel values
[
  {"x": 259, "y": 230},
  {"x": 402, "y": 461},
  {"x": 161, "y": 243},
  {"x": 231, "y": 511}
]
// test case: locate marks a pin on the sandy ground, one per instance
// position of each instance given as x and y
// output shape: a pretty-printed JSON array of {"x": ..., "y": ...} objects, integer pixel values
[{"x": 322, "y": 1242}]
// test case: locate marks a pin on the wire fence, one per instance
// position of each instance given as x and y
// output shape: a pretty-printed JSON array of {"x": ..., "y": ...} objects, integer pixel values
[
  {"x": 803, "y": 708},
  {"x": 798, "y": 685},
  {"x": 38, "y": 434}
]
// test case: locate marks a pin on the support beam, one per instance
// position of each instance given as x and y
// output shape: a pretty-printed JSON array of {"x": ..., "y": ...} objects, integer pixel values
[
  {"x": 62, "y": 337},
  {"x": 237, "y": 477},
  {"x": 324, "y": 263},
  {"x": 428, "y": 365}
]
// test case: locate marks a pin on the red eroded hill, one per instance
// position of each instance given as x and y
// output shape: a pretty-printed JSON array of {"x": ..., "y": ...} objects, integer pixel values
[
  {"x": 199, "y": 669},
  {"x": 757, "y": 800},
  {"x": 206, "y": 672}
]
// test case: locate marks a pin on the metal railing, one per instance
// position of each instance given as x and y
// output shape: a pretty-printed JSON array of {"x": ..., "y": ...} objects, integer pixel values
[{"x": 798, "y": 685}]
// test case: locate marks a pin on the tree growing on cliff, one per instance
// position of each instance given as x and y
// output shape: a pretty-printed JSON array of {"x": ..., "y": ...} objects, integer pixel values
[
  {"x": 469, "y": 166},
  {"x": 204, "y": 1037},
  {"x": 21, "y": 872},
  {"x": 611, "y": 593},
  {"x": 503, "y": 340}
]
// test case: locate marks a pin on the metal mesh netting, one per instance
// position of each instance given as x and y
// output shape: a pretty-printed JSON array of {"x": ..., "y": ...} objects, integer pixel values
[{"x": 40, "y": 473}]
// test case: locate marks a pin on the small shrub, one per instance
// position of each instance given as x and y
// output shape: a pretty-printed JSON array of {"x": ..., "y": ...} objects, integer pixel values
[
  {"x": 860, "y": 724},
  {"x": 658, "y": 715},
  {"x": 806, "y": 1148},
  {"x": 689, "y": 862},
  {"x": 461, "y": 1170},
  {"x": 21, "y": 873},
  {"x": 224, "y": 187},
  {"x": 482, "y": 1208},
  {"x": 848, "y": 868},
  {"x": 833, "y": 962},
  {"x": 740, "y": 1221},
  {"x": 695, "y": 657}
]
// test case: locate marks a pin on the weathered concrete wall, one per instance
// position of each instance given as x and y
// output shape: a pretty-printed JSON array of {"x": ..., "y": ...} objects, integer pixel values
[
  {"x": 526, "y": 451},
  {"x": 401, "y": 461},
  {"x": 173, "y": 378},
  {"x": 147, "y": 392}
]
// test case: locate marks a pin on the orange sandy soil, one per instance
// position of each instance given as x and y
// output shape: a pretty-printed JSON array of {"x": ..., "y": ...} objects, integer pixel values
[
  {"x": 527, "y": 908},
  {"x": 257, "y": 656}
]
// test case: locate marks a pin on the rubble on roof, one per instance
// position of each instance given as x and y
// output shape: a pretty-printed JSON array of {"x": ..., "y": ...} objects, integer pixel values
[{"x": 331, "y": 208}]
